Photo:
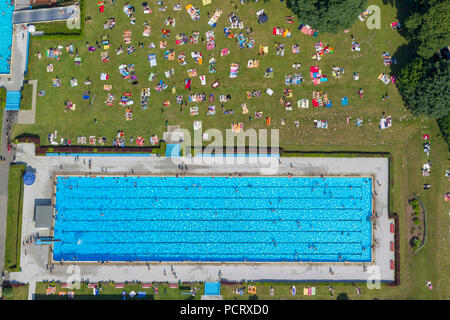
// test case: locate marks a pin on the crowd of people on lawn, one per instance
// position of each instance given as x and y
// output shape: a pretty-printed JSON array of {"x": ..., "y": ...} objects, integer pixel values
[{"x": 234, "y": 30}]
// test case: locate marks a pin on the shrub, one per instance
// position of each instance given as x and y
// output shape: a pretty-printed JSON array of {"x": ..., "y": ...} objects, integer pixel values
[
  {"x": 416, "y": 221},
  {"x": 416, "y": 244},
  {"x": 415, "y": 202},
  {"x": 342, "y": 296},
  {"x": 416, "y": 209},
  {"x": 8, "y": 292}
]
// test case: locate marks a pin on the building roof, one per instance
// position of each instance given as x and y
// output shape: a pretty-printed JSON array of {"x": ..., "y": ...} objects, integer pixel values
[{"x": 43, "y": 216}]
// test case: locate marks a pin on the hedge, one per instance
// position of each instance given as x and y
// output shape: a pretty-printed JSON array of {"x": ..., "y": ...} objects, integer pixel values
[{"x": 13, "y": 238}]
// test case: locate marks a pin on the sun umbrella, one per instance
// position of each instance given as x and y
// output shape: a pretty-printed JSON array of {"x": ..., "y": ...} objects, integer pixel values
[{"x": 29, "y": 178}]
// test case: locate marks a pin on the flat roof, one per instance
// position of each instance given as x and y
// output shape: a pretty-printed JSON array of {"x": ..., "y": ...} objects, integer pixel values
[{"x": 43, "y": 216}]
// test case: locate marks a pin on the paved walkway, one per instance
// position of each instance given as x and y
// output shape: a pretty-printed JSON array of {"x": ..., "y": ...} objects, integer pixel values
[
  {"x": 46, "y": 14},
  {"x": 34, "y": 262},
  {"x": 31, "y": 290},
  {"x": 29, "y": 116}
]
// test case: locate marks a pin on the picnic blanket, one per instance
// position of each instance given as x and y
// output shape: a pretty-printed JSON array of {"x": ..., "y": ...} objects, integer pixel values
[
  {"x": 210, "y": 42},
  {"x": 193, "y": 110},
  {"x": 203, "y": 80},
  {"x": 192, "y": 73},
  {"x": 234, "y": 67},
  {"x": 384, "y": 78},
  {"x": 197, "y": 56},
  {"x": 147, "y": 31},
  {"x": 305, "y": 29},
  {"x": 215, "y": 17},
  {"x": 197, "y": 125},
  {"x": 237, "y": 127},
  {"x": 303, "y": 103},
  {"x": 211, "y": 110},
  {"x": 152, "y": 60},
  {"x": 193, "y": 12},
  {"x": 281, "y": 31},
  {"x": 253, "y": 64},
  {"x": 323, "y": 124}
]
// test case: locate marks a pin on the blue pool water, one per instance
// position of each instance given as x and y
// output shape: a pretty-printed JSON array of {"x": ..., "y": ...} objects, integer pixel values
[
  {"x": 6, "y": 11},
  {"x": 213, "y": 219}
]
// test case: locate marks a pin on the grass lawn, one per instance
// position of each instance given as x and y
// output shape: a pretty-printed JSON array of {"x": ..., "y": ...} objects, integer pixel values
[
  {"x": 14, "y": 218},
  {"x": 19, "y": 293},
  {"x": 27, "y": 95},
  {"x": 403, "y": 140},
  {"x": 368, "y": 62}
]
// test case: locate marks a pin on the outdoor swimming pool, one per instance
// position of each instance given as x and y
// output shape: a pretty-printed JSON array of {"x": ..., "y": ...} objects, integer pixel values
[
  {"x": 203, "y": 218},
  {"x": 6, "y": 11}
]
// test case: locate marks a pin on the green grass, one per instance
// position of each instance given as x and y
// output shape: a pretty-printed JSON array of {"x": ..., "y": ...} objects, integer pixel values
[
  {"x": 27, "y": 96},
  {"x": 55, "y": 28},
  {"x": 14, "y": 218},
  {"x": 368, "y": 63},
  {"x": 19, "y": 293}
]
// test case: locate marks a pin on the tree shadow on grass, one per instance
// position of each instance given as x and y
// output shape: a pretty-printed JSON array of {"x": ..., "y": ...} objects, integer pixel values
[{"x": 342, "y": 296}]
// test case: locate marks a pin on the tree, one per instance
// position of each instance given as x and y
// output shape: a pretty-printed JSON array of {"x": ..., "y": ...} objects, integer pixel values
[
  {"x": 430, "y": 30},
  {"x": 7, "y": 291},
  {"x": 432, "y": 94},
  {"x": 327, "y": 15},
  {"x": 410, "y": 76},
  {"x": 342, "y": 296},
  {"x": 444, "y": 124}
]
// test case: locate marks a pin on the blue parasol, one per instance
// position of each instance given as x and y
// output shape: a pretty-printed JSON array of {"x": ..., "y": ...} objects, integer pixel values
[{"x": 29, "y": 178}]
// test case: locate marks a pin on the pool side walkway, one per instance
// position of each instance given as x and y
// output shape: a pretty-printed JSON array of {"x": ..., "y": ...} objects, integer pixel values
[{"x": 34, "y": 258}]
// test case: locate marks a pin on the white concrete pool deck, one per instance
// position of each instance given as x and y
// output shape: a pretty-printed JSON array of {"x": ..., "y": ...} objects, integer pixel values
[{"x": 34, "y": 258}]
